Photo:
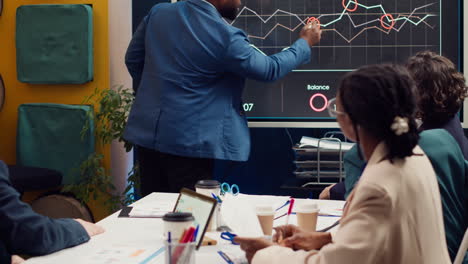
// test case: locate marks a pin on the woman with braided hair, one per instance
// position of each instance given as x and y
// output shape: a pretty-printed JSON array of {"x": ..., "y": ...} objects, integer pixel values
[{"x": 394, "y": 214}]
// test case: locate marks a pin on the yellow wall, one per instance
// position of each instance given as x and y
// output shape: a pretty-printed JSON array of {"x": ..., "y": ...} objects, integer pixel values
[{"x": 18, "y": 93}]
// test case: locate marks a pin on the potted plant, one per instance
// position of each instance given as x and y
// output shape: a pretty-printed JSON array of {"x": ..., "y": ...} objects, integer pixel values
[{"x": 112, "y": 109}]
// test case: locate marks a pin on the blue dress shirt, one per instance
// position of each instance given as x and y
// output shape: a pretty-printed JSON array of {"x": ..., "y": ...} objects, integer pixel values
[{"x": 191, "y": 68}]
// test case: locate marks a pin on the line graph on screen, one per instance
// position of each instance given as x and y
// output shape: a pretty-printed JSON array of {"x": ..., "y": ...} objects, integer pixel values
[{"x": 355, "y": 32}]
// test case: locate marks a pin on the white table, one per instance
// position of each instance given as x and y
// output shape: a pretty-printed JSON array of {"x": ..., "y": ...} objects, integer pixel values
[{"x": 147, "y": 234}]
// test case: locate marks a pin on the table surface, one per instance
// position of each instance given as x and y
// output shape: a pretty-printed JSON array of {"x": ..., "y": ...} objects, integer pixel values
[{"x": 146, "y": 233}]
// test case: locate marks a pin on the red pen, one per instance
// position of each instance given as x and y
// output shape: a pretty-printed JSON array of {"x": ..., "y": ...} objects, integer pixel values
[
  {"x": 291, "y": 205},
  {"x": 186, "y": 238}
]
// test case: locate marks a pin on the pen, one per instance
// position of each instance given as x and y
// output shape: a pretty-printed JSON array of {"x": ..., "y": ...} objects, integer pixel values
[
  {"x": 169, "y": 247},
  {"x": 325, "y": 215},
  {"x": 186, "y": 238},
  {"x": 320, "y": 215},
  {"x": 291, "y": 205},
  {"x": 195, "y": 234},
  {"x": 278, "y": 217},
  {"x": 186, "y": 254},
  {"x": 183, "y": 235},
  {"x": 225, "y": 257},
  {"x": 285, "y": 204},
  {"x": 216, "y": 198}
]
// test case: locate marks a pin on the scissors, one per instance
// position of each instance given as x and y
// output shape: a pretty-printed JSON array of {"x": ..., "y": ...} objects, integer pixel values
[
  {"x": 226, "y": 188},
  {"x": 229, "y": 237}
]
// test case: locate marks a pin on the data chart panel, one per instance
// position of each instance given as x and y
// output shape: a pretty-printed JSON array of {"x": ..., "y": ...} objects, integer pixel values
[{"x": 355, "y": 33}]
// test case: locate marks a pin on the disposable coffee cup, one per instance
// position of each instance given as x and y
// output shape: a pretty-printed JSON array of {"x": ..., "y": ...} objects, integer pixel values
[
  {"x": 307, "y": 214},
  {"x": 207, "y": 187},
  {"x": 176, "y": 223},
  {"x": 266, "y": 215}
]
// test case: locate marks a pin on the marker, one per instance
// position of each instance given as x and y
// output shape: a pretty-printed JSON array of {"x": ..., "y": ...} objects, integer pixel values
[{"x": 291, "y": 205}]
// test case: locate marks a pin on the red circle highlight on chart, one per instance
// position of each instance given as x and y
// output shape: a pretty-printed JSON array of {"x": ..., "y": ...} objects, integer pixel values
[
  {"x": 312, "y": 19},
  {"x": 347, "y": 9},
  {"x": 311, "y": 102},
  {"x": 383, "y": 24}
]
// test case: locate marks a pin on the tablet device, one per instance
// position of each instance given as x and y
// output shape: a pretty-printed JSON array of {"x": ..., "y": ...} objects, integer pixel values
[{"x": 202, "y": 208}]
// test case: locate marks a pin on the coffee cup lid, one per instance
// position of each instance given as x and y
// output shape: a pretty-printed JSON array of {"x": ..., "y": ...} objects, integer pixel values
[
  {"x": 178, "y": 217},
  {"x": 307, "y": 207},
  {"x": 264, "y": 209},
  {"x": 207, "y": 184}
]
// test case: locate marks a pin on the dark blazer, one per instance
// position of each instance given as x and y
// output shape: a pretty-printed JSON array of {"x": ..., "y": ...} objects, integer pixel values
[
  {"x": 22, "y": 231},
  {"x": 5, "y": 257}
]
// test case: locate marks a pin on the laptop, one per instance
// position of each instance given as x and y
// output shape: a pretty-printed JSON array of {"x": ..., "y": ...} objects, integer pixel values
[{"x": 202, "y": 208}]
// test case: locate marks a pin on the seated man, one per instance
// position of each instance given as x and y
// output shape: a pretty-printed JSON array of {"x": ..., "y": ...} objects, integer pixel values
[{"x": 25, "y": 232}]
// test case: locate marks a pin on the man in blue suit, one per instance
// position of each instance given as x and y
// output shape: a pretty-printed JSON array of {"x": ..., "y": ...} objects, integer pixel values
[
  {"x": 22, "y": 231},
  {"x": 191, "y": 68}
]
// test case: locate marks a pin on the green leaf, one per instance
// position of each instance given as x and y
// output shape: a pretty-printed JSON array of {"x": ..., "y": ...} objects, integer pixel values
[{"x": 112, "y": 108}]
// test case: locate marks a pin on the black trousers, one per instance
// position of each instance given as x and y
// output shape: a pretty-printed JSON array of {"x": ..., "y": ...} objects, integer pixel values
[{"x": 162, "y": 172}]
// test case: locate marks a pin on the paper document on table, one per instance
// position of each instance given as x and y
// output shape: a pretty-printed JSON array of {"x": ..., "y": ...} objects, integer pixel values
[
  {"x": 236, "y": 254},
  {"x": 333, "y": 211},
  {"x": 212, "y": 255},
  {"x": 151, "y": 210},
  {"x": 121, "y": 254},
  {"x": 239, "y": 214}
]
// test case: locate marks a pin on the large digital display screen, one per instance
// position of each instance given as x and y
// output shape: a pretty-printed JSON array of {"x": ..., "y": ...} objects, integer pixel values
[{"x": 355, "y": 33}]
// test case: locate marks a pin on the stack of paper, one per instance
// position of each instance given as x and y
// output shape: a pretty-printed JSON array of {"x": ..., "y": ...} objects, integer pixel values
[
  {"x": 244, "y": 205},
  {"x": 324, "y": 144},
  {"x": 235, "y": 206},
  {"x": 151, "y": 210}
]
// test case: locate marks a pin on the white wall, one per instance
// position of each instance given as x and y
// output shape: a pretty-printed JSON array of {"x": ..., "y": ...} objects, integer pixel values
[{"x": 120, "y": 33}]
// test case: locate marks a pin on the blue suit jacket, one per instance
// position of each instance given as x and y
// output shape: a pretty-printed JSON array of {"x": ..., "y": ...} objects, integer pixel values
[
  {"x": 192, "y": 66},
  {"x": 22, "y": 231}
]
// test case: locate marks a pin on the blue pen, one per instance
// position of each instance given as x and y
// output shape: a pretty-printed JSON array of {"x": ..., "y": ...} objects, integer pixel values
[
  {"x": 329, "y": 215},
  {"x": 225, "y": 257},
  {"x": 285, "y": 204},
  {"x": 216, "y": 198},
  {"x": 195, "y": 233},
  {"x": 169, "y": 248}
]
